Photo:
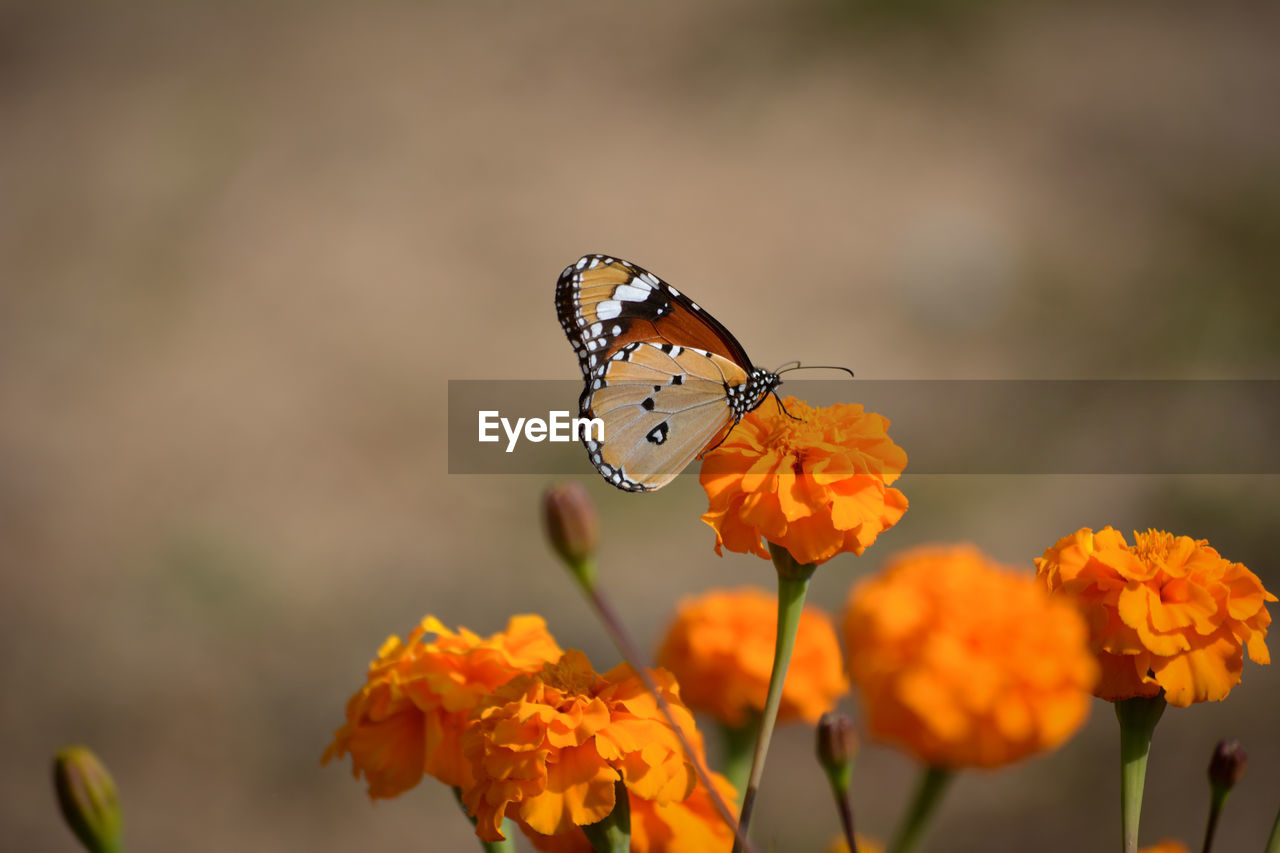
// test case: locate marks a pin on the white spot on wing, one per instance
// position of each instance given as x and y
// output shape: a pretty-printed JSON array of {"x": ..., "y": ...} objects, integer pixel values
[
  {"x": 608, "y": 309},
  {"x": 629, "y": 293},
  {"x": 674, "y": 292}
]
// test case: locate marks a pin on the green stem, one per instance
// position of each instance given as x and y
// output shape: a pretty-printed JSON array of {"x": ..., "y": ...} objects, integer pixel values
[
  {"x": 845, "y": 809},
  {"x": 1217, "y": 799},
  {"x": 793, "y": 585},
  {"x": 1138, "y": 717},
  {"x": 933, "y": 784},
  {"x": 613, "y": 834},
  {"x": 1273, "y": 843},
  {"x": 506, "y": 845},
  {"x": 739, "y": 742}
]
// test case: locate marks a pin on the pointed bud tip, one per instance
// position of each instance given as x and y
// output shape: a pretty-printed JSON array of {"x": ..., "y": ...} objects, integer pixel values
[
  {"x": 88, "y": 798},
  {"x": 572, "y": 525},
  {"x": 1226, "y": 768}
]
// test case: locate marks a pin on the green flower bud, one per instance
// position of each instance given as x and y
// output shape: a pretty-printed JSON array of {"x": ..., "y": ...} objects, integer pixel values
[
  {"x": 837, "y": 744},
  {"x": 572, "y": 525},
  {"x": 88, "y": 799}
]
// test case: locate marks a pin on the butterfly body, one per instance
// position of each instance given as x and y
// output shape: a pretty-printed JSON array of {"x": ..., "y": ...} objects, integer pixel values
[{"x": 667, "y": 380}]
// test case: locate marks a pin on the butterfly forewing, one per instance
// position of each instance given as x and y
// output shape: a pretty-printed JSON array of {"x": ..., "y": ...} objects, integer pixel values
[{"x": 605, "y": 303}]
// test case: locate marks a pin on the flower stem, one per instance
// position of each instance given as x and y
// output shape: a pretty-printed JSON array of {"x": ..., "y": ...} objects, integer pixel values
[
  {"x": 1273, "y": 843},
  {"x": 613, "y": 834},
  {"x": 1217, "y": 799},
  {"x": 793, "y": 585},
  {"x": 1138, "y": 717},
  {"x": 845, "y": 809},
  {"x": 739, "y": 742},
  {"x": 631, "y": 654},
  {"x": 933, "y": 784}
]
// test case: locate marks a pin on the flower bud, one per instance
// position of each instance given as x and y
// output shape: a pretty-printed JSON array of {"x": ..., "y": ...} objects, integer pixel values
[
  {"x": 837, "y": 744},
  {"x": 1226, "y": 768},
  {"x": 572, "y": 525},
  {"x": 87, "y": 797}
]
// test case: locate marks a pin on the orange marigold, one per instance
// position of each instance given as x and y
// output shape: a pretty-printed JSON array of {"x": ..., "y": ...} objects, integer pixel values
[
  {"x": 1169, "y": 845},
  {"x": 720, "y": 649},
  {"x": 816, "y": 483},
  {"x": 690, "y": 826},
  {"x": 1167, "y": 613},
  {"x": 409, "y": 715},
  {"x": 547, "y": 747},
  {"x": 965, "y": 663}
]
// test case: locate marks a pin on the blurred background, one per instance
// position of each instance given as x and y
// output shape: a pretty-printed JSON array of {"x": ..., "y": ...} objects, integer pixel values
[{"x": 243, "y": 247}]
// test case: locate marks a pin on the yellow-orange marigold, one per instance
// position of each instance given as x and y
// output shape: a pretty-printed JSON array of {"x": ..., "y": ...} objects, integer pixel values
[
  {"x": 1167, "y": 613},
  {"x": 720, "y": 649},
  {"x": 817, "y": 483},
  {"x": 547, "y": 747},
  {"x": 408, "y": 716},
  {"x": 964, "y": 663},
  {"x": 690, "y": 826}
]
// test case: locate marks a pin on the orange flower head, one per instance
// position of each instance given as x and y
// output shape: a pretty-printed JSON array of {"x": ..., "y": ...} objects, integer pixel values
[
  {"x": 689, "y": 826},
  {"x": 547, "y": 747},
  {"x": 1167, "y": 613},
  {"x": 413, "y": 707},
  {"x": 965, "y": 663},
  {"x": 720, "y": 649},
  {"x": 815, "y": 483}
]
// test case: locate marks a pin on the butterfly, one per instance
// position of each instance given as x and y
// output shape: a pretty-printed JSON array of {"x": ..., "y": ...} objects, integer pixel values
[{"x": 666, "y": 379}]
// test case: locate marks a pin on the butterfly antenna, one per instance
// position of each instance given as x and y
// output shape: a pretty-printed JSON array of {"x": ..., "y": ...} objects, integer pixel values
[{"x": 789, "y": 366}]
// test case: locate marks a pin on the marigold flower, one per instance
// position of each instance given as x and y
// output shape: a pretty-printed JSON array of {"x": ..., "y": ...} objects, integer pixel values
[
  {"x": 965, "y": 663},
  {"x": 409, "y": 715},
  {"x": 816, "y": 483},
  {"x": 720, "y": 649},
  {"x": 547, "y": 747},
  {"x": 689, "y": 826},
  {"x": 1167, "y": 613}
]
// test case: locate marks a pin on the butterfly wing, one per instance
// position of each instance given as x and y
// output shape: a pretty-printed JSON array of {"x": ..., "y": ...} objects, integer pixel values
[
  {"x": 605, "y": 303},
  {"x": 661, "y": 406}
]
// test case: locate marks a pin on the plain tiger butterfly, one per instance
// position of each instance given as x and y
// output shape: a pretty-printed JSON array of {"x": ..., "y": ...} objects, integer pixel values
[{"x": 665, "y": 378}]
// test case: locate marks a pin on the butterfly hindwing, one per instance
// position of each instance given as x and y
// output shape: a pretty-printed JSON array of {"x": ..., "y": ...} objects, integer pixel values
[
  {"x": 661, "y": 406},
  {"x": 665, "y": 378}
]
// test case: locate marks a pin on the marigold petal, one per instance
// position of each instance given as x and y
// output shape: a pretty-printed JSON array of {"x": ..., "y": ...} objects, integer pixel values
[
  {"x": 579, "y": 791},
  {"x": 1202, "y": 674}
]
